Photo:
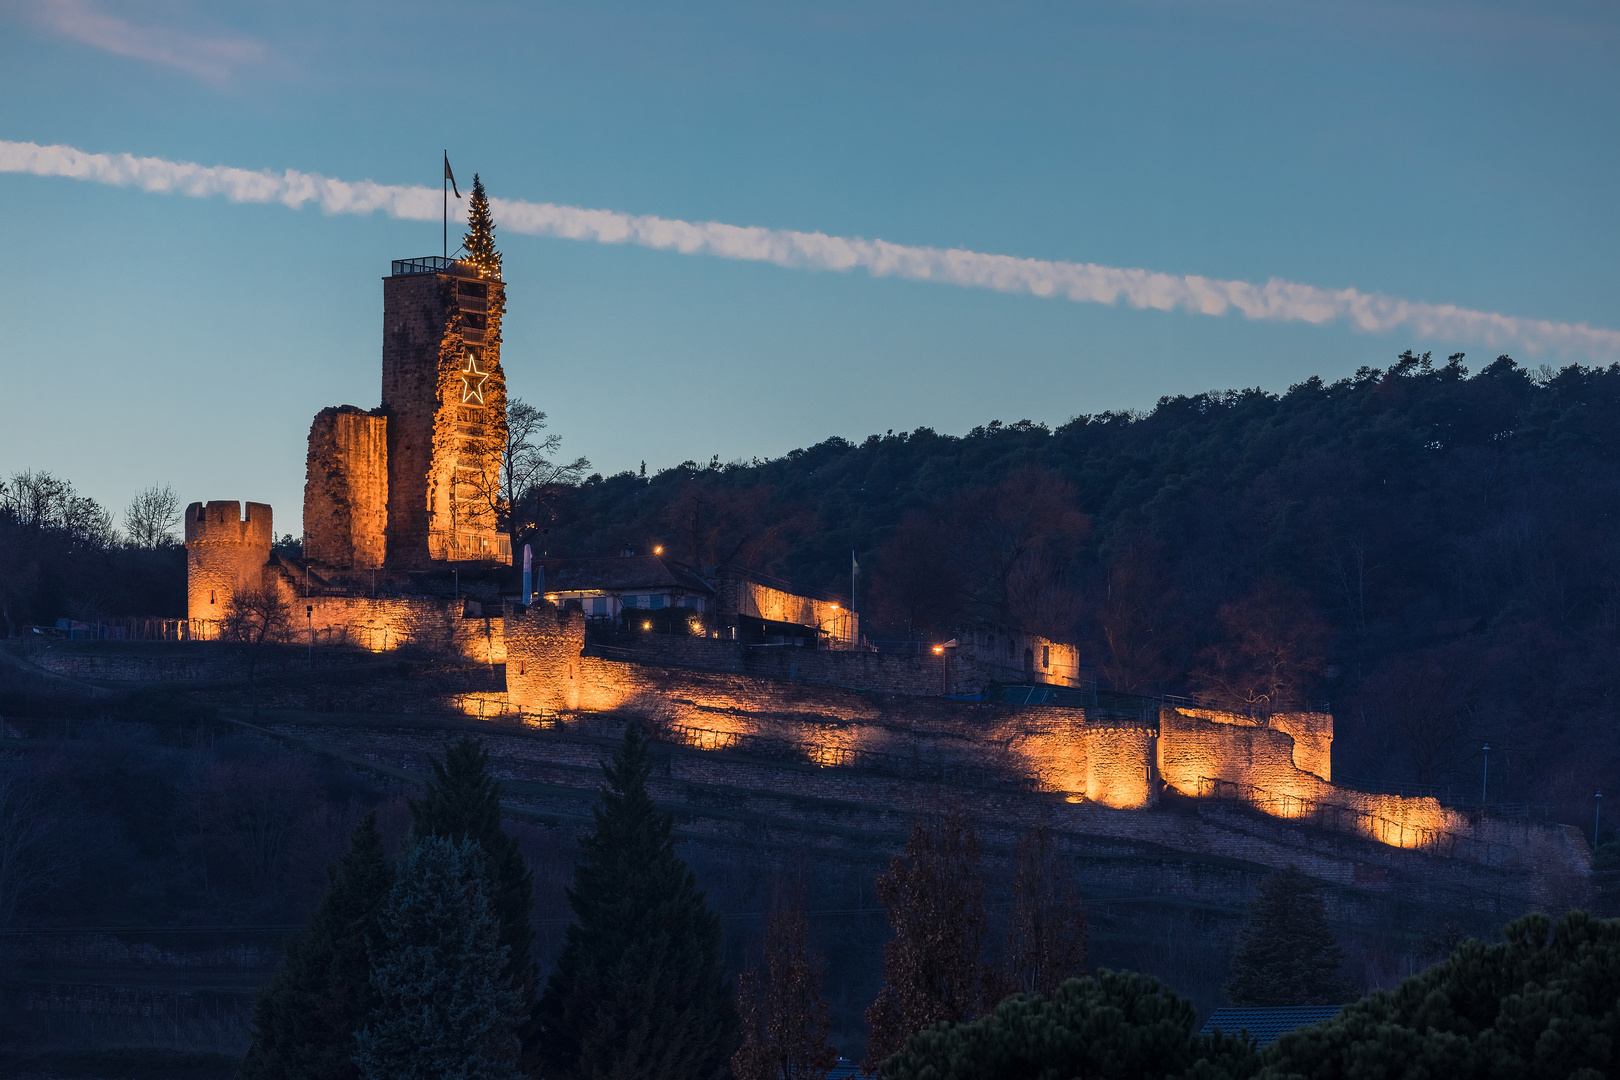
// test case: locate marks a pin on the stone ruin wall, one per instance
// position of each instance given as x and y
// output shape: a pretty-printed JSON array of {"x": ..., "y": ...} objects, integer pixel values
[
  {"x": 1202, "y": 753},
  {"x": 225, "y": 552},
  {"x": 740, "y": 595},
  {"x": 437, "y": 625},
  {"x": 1050, "y": 748},
  {"x": 925, "y": 675},
  {"x": 346, "y": 489},
  {"x": 1281, "y": 768}
]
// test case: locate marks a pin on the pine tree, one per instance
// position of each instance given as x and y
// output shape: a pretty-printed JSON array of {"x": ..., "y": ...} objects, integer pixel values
[
  {"x": 785, "y": 1019},
  {"x": 480, "y": 239},
  {"x": 444, "y": 1008},
  {"x": 638, "y": 991},
  {"x": 1287, "y": 955},
  {"x": 305, "y": 1020},
  {"x": 464, "y": 802},
  {"x": 932, "y": 970},
  {"x": 1046, "y": 929}
]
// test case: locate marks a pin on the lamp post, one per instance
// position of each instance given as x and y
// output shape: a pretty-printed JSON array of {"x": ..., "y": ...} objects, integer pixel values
[
  {"x": 1485, "y": 780},
  {"x": 944, "y": 670}
]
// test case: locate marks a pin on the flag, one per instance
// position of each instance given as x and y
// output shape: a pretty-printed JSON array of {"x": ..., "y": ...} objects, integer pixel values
[{"x": 450, "y": 176}]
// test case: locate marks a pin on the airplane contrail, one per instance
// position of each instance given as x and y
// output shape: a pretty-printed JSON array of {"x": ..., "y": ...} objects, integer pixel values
[{"x": 1276, "y": 300}]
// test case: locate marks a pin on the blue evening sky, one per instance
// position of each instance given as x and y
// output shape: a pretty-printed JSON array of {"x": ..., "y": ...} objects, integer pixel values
[{"x": 1443, "y": 152}]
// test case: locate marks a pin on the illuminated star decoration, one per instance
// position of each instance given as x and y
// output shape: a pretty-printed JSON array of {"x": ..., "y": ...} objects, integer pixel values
[{"x": 472, "y": 381}]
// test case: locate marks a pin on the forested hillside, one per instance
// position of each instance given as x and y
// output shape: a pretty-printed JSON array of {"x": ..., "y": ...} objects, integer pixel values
[{"x": 1432, "y": 551}]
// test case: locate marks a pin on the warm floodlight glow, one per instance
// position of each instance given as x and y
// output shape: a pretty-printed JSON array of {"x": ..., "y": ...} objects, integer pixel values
[
  {"x": 939, "y": 650},
  {"x": 658, "y": 550},
  {"x": 646, "y": 626}
]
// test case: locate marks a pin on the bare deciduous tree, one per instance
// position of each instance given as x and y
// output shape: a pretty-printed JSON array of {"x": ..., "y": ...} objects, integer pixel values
[
  {"x": 152, "y": 518},
  {"x": 40, "y": 501},
  {"x": 254, "y": 618},
  {"x": 932, "y": 970},
  {"x": 1135, "y": 616},
  {"x": 1046, "y": 930},
  {"x": 785, "y": 1019},
  {"x": 529, "y": 471},
  {"x": 1272, "y": 648},
  {"x": 32, "y": 860}
]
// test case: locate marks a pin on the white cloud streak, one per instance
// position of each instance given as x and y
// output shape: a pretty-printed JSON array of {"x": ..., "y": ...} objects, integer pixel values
[
  {"x": 214, "y": 59},
  {"x": 1275, "y": 300}
]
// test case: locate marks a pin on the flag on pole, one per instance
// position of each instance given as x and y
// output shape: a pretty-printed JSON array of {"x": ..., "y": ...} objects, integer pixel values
[{"x": 450, "y": 176}]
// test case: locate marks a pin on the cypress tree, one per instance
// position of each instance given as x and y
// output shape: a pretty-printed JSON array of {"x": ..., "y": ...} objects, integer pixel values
[
  {"x": 480, "y": 239},
  {"x": 444, "y": 1008},
  {"x": 1287, "y": 954},
  {"x": 638, "y": 991},
  {"x": 464, "y": 802},
  {"x": 304, "y": 1021}
]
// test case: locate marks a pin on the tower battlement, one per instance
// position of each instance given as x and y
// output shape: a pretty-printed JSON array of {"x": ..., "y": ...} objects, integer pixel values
[
  {"x": 221, "y": 522},
  {"x": 225, "y": 553}
]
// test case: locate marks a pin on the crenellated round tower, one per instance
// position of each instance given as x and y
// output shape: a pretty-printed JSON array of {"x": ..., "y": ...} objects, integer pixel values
[{"x": 225, "y": 552}]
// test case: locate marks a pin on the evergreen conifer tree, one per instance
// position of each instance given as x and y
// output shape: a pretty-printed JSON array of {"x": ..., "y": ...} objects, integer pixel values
[
  {"x": 638, "y": 991},
  {"x": 480, "y": 239},
  {"x": 305, "y": 1020},
  {"x": 444, "y": 1008},
  {"x": 464, "y": 802},
  {"x": 1287, "y": 954}
]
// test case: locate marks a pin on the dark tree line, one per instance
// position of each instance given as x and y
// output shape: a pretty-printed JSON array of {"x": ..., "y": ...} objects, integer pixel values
[{"x": 1432, "y": 551}]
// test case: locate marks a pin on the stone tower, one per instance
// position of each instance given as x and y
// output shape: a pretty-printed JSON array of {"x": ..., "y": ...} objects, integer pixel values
[
  {"x": 225, "y": 552},
  {"x": 444, "y": 399}
]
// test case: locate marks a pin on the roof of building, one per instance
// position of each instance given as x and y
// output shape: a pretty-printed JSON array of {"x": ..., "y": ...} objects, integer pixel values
[
  {"x": 626, "y": 573},
  {"x": 1266, "y": 1026}
]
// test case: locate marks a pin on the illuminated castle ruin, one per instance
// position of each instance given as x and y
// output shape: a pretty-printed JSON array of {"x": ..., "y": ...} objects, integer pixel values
[{"x": 401, "y": 550}]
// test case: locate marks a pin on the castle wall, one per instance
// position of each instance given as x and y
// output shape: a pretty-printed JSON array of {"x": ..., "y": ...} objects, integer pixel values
[
  {"x": 916, "y": 674},
  {"x": 1311, "y": 734},
  {"x": 225, "y": 552},
  {"x": 1008, "y": 656},
  {"x": 346, "y": 489},
  {"x": 740, "y": 595},
  {"x": 427, "y": 623},
  {"x": 1050, "y": 748}
]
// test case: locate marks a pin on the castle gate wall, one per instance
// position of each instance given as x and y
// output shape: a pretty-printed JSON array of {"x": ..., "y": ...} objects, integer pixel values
[
  {"x": 386, "y": 623},
  {"x": 346, "y": 489},
  {"x": 225, "y": 552}
]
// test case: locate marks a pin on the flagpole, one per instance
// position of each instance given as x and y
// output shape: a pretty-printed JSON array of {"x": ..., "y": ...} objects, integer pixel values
[{"x": 444, "y": 182}]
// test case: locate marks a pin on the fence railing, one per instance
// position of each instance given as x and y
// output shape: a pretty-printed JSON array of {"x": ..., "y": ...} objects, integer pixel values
[{"x": 135, "y": 628}]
